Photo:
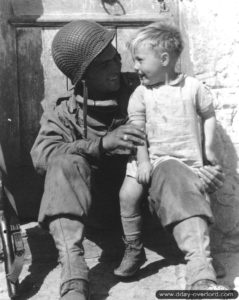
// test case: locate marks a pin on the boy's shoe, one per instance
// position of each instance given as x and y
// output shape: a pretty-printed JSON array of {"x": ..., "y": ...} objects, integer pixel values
[{"x": 134, "y": 258}]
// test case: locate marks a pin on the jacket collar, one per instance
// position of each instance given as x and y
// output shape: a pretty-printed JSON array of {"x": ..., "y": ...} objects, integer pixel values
[{"x": 96, "y": 103}]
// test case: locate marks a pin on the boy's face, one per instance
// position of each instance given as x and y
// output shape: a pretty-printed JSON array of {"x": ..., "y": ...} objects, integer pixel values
[
  {"x": 103, "y": 74},
  {"x": 149, "y": 65}
]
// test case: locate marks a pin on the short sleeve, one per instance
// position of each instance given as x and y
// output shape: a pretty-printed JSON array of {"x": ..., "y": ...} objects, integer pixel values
[
  {"x": 204, "y": 102},
  {"x": 136, "y": 107}
]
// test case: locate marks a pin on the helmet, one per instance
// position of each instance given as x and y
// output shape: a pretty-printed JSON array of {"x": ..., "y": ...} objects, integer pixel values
[{"x": 77, "y": 44}]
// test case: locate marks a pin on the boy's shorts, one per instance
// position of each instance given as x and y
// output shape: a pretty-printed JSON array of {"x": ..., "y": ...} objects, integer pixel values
[{"x": 132, "y": 166}]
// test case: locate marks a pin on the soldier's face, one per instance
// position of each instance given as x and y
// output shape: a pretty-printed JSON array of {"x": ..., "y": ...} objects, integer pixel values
[{"x": 103, "y": 74}]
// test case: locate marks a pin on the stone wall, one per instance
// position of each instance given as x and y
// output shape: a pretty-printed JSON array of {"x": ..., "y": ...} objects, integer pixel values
[{"x": 211, "y": 32}]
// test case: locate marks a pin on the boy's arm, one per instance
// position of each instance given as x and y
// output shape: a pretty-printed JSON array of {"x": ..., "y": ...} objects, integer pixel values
[
  {"x": 205, "y": 109},
  {"x": 209, "y": 128},
  {"x": 137, "y": 117},
  {"x": 142, "y": 151},
  {"x": 144, "y": 165},
  {"x": 142, "y": 154},
  {"x": 212, "y": 176}
]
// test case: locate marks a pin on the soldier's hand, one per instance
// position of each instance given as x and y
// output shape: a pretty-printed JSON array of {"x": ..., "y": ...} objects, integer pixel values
[{"x": 124, "y": 137}]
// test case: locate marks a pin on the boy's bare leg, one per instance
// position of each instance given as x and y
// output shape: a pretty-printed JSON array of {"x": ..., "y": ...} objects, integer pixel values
[{"x": 131, "y": 194}]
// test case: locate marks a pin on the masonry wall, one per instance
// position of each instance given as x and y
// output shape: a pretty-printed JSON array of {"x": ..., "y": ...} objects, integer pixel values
[{"x": 211, "y": 30}]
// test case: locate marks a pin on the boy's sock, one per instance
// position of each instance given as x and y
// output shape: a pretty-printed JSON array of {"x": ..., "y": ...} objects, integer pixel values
[{"x": 132, "y": 226}]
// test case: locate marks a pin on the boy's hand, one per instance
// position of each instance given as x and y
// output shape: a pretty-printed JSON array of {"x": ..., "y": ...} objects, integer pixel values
[
  {"x": 212, "y": 177},
  {"x": 144, "y": 172}
]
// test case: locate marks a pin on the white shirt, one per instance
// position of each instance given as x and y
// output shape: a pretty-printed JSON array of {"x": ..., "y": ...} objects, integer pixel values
[{"x": 172, "y": 116}]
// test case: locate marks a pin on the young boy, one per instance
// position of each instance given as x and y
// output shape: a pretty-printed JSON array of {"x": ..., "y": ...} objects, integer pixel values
[{"x": 168, "y": 105}]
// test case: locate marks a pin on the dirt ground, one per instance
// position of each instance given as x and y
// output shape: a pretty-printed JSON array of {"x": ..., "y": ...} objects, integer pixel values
[{"x": 163, "y": 270}]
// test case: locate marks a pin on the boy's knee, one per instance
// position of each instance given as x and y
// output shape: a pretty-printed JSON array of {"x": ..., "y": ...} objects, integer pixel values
[
  {"x": 128, "y": 202},
  {"x": 123, "y": 195},
  {"x": 123, "y": 199}
]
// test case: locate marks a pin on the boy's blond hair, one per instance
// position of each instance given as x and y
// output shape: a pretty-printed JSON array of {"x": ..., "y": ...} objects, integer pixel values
[{"x": 163, "y": 36}]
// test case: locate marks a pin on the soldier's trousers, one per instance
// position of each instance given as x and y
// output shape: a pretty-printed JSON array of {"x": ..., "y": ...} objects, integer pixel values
[{"x": 176, "y": 196}]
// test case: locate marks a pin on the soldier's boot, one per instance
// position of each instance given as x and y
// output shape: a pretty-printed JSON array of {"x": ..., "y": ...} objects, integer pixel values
[
  {"x": 68, "y": 235},
  {"x": 192, "y": 237},
  {"x": 82, "y": 292}
]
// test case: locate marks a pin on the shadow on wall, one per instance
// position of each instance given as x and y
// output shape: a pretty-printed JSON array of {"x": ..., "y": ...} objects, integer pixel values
[
  {"x": 225, "y": 206},
  {"x": 26, "y": 184}
]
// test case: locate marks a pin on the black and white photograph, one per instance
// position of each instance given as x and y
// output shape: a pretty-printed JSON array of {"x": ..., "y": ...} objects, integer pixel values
[{"x": 119, "y": 149}]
